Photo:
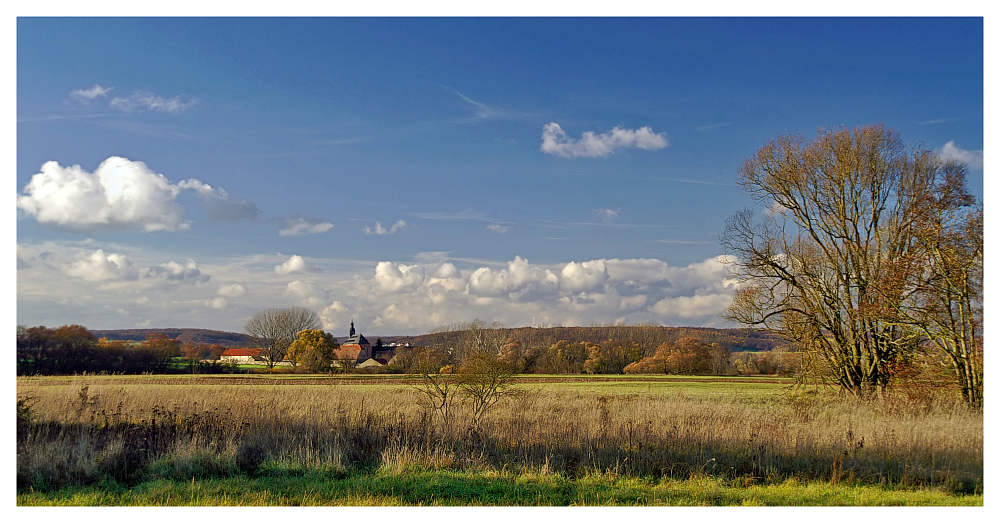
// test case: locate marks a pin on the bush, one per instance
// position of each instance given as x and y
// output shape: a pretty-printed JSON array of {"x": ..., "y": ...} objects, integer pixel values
[
  {"x": 249, "y": 457},
  {"x": 124, "y": 463}
]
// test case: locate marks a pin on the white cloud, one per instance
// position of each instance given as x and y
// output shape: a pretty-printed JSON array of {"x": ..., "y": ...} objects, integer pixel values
[
  {"x": 555, "y": 141},
  {"x": 497, "y": 228},
  {"x": 633, "y": 302},
  {"x": 86, "y": 95},
  {"x": 447, "y": 271},
  {"x": 301, "y": 226},
  {"x": 775, "y": 210},
  {"x": 379, "y": 229},
  {"x": 583, "y": 277},
  {"x": 607, "y": 215},
  {"x": 950, "y": 151},
  {"x": 307, "y": 294},
  {"x": 519, "y": 281},
  {"x": 334, "y": 317},
  {"x": 147, "y": 101},
  {"x": 688, "y": 307},
  {"x": 294, "y": 264},
  {"x": 119, "y": 194},
  {"x": 173, "y": 271},
  {"x": 218, "y": 302},
  {"x": 234, "y": 290},
  {"x": 100, "y": 267},
  {"x": 86, "y": 281},
  {"x": 398, "y": 277}
]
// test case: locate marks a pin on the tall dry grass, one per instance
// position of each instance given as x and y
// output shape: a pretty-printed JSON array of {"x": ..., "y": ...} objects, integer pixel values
[{"x": 86, "y": 432}]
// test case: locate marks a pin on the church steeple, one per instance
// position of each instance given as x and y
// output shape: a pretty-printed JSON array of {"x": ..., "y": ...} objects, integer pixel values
[{"x": 352, "y": 329}]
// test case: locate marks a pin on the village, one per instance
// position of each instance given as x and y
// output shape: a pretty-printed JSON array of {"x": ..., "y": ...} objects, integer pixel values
[{"x": 355, "y": 352}]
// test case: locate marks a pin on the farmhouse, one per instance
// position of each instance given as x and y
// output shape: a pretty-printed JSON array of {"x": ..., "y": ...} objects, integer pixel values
[{"x": 240, "y": 356}]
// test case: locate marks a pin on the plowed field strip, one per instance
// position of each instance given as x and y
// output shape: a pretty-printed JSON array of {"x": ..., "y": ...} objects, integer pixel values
[{"x": 382, "y": 380}]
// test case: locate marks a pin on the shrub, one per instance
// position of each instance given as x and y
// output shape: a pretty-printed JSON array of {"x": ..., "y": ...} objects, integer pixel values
[{"x": 249, "y": 457}]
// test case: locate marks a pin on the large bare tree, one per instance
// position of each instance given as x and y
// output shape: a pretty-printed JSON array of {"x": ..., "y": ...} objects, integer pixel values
[
  {"x": 274, "y": 330},
  {"x": 840, "y": 215}
]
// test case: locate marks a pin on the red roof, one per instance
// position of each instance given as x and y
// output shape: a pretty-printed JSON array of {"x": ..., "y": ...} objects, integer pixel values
[{"x": 241, "y": 352}]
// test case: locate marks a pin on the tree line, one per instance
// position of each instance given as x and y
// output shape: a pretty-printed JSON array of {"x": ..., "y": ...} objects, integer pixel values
[{"x": 72, "y": 349}]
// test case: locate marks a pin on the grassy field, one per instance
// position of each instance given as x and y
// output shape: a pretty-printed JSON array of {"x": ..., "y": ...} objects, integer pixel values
[{"x": 565, "y": 440}]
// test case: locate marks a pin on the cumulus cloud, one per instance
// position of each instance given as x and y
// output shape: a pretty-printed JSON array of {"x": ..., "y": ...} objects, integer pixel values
[
  {"x": 688, "y": 307},
  {"x": 519, "y": 281},
  {"x": 147, "y": 101},
  {"x": 86, "y": 281},
  {"x": 294, "y": 264},
  {"x": 86, "y": 95},
  {"x": 307, "y": 294},
  {"x": 950, "y": 151},
  {"x": 497, "y": 228},
  {"x": 447, "y": 271},
  {"x": 173, "y": 271},
  {"x": 583, "y": 277},
  {"x": 234, "y": 290},
  {"x": 301, "y": 226},
  {"x": 101, "y": 267},
  {"x": 119, "y": 194},
  {"x": 398, "y": 277},
  {"x": 555, "y": 141},
  {"x": 333, "y": 316},
  {"x": 379, "y": 229}
]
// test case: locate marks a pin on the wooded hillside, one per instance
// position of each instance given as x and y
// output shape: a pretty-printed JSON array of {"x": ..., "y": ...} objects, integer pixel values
[{"x": 226, "y": 339}]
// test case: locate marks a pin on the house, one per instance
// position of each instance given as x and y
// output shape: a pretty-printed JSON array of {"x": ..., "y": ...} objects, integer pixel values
[{"x": 240, "y": 356}]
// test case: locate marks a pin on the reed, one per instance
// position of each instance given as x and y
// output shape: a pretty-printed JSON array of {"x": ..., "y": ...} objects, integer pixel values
[{"x": 86, "y": 431}]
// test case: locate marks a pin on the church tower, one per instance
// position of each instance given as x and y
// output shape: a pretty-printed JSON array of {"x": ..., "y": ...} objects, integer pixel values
[{"x": 351, "y": 334}]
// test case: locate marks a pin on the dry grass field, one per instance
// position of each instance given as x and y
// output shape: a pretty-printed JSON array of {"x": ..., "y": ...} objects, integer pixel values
[{"x": 150, "y": 440}]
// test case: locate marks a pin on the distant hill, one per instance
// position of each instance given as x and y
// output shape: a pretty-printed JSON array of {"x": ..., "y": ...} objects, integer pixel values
[
  {"x": 735, "y": 340},
  {"x": 226, "y": 339}
]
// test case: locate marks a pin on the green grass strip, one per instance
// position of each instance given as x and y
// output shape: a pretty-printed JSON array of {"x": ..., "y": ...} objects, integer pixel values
[{"x": 447, "y": 488}]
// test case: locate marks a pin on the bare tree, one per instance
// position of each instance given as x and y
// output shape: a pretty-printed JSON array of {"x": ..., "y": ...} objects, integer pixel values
[
  {"x": 437, "y": 390},
  {"x": 839, "y": 214},
  {"x": 944, "y": 280},
  {"x": 484, "y": 379},
  {"x": 478, "y": 337},
  {"x": 274, "y": 330}
]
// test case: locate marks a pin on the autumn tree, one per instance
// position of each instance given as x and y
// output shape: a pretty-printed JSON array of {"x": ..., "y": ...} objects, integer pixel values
[
  {"x": 192, "y": 353},
  {"x": 943, "y": 280},
  {"x": 314, "y": 348},
  {"x": 839, "y": 213},
  {"x": 688, "y": 355},
  {"x": 157, "y": 350},
  {"x": 564, "y": 357},
  {"x": 274, "y": 330},
  {"x": 611, "y": 357}
]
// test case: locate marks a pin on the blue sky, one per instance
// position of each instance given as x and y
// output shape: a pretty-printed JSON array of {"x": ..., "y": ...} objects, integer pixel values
[{"x": 412, "y": 173}]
